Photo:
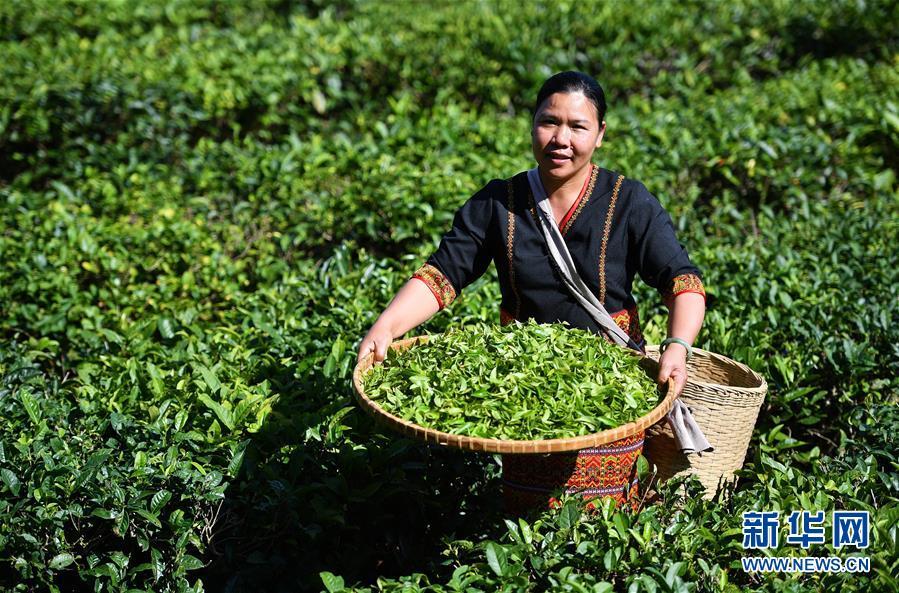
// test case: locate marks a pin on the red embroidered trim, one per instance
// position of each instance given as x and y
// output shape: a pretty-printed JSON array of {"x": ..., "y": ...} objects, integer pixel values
[
  {"x": 581, "y": 200},
  {"x": 629, "y": 321},
  {"x": 681, "y": 284},
  {"x": 438, "y": 283},
  {"x": 505, "y": 318}
]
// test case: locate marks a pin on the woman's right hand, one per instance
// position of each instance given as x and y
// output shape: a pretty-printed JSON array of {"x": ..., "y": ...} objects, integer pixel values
[
  {"x": 377, "y": 340},
  {"x": 413, "y": 305}
]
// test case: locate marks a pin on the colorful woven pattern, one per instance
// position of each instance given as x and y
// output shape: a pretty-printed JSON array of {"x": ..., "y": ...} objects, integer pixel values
[
  {"x": 438, "y": 283},
  {"x": 529, "y": 481},
  {"x": 629, "y": 321},
  {"x": 681, "y": 284}
]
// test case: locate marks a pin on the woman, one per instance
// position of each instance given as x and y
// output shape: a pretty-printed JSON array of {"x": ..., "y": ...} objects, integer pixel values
[{"x": 612, "y": 226}]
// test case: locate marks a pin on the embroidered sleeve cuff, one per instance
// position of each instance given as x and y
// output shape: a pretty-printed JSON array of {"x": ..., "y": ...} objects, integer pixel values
[
  {"x": 438, "y": 283},
  {"x": 681, "y": 284}
]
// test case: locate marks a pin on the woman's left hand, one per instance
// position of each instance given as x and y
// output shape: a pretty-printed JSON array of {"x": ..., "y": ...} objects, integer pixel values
[{"x": 673, "y": 364}]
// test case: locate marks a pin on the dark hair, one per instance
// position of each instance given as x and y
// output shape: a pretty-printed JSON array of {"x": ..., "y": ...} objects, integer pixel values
[{"x": 573, "y": 82}]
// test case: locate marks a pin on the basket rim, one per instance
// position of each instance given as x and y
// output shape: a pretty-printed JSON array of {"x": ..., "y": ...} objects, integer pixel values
[
  {"x": 724, "y": 360},
  {"x": 500, "y": 445}
]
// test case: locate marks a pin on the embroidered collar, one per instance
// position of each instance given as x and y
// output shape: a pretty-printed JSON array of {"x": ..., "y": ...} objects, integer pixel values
[{"x": 581, "y": 201}]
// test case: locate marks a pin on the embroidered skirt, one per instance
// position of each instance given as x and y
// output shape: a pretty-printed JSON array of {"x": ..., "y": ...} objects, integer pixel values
[{"x": 530, "y": 481}]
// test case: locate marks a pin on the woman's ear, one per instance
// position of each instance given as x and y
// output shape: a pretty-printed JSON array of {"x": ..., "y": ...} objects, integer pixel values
[{"x": 602, "y": 132}]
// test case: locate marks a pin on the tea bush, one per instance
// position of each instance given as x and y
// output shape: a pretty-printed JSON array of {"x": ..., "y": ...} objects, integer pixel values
[{"x": 205, "y": 205}]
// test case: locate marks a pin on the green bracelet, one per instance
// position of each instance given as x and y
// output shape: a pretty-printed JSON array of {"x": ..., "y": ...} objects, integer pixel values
[{"x": 683, "y": 343}]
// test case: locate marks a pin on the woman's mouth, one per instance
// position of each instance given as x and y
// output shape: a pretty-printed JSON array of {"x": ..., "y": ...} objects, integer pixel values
[{"x": 558, "y": 159}]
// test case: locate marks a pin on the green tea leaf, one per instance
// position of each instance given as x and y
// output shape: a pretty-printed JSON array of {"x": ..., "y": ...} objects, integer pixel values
[
  {"x": 159, "y": 500},
  {"x": 569, "y": 515},
  {"x": 332, "y": 583},
  {"x": 91, "y": 466},
  {"x": 11, "y": 481},
  {"x": 61, "y": 561},
  {"x": 31, "y": 406},
  {"x": 189, "y": 562},
  {"x": 209, "y": 377},
  {"x": 497, "y": 559},
  {"x": 221, "y": 413},
  {"x": 166, "y": 327}
]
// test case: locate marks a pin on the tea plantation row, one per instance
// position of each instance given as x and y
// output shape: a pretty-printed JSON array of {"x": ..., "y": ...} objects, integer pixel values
[{"x": 206, "y": 205}]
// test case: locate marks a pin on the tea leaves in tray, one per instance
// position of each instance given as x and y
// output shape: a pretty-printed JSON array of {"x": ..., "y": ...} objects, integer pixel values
[{"x": 518, "y": 382}]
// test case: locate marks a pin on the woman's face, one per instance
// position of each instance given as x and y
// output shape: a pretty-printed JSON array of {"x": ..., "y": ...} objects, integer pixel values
[{"x": 565, "y": 133}]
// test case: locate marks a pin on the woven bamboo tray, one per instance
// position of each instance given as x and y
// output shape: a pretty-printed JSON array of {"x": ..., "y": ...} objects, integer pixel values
[
  {"x": 499, "y": 445},
  {"x": 724, "y": 397}
]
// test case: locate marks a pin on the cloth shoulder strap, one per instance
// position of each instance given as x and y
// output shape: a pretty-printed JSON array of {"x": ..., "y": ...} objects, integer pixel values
[
  {"x": 689, "y": 435},
  {"x": 559, "y": 253}
]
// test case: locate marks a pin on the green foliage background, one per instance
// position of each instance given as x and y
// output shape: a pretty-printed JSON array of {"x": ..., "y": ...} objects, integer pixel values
[{"x": 205, "y": 205}]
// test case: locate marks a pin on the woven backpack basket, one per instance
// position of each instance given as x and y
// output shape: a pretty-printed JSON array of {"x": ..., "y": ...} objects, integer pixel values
[{"x": 724, "y": 397}]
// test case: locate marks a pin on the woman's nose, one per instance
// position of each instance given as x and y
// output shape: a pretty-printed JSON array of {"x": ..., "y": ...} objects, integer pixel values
[{"x": 562, "y": 135}]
